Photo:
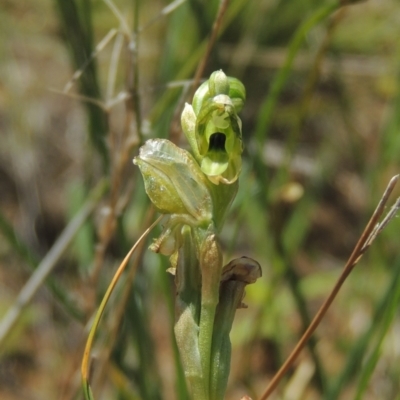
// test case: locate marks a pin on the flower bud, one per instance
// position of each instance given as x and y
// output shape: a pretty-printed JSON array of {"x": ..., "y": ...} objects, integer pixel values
[
  {"x": 188, "y": 122},
  {"x": 173, "y": 180},
  {"x": 218, "y": 83}
]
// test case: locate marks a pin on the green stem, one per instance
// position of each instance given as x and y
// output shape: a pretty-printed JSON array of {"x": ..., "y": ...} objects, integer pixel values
[
  {"x": 231, "y": 294},
  {"x": 187, "y": 314},
  {"x": 205, "y": 340},
  {"x": 211, "y": 266},
  {"x": 186, "y": 331}
]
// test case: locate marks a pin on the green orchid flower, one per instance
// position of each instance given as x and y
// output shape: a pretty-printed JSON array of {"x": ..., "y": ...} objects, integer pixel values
[{"x": 214, "y": 129}]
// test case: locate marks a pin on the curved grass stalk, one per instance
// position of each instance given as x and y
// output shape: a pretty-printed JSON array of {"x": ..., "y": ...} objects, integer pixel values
[
  {"x": 373, "y": 228},
  {"x": 89, "y": 343}
]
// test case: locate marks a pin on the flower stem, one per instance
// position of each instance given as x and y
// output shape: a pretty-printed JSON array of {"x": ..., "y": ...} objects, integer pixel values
[
  {"x": 205, "y": 340},
  {"x": 187, "y": 310},
  {"x": 211, "y": 267}
]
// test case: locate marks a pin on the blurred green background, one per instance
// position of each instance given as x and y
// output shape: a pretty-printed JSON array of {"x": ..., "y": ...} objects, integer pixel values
[{"x": 84, "y": 82}]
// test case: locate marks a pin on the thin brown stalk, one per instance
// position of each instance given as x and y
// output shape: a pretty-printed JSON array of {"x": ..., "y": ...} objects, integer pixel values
[
  {"x": 121, "y": 153},
  {"x": 165, "y": 11},
  {"x": 80, "y": 97},
  {"x": 109, "y": 225},
  {"x": 368, "y": 235},
  {"x": 100, "y": 46},
  {"x": 214, "y": 33},
  {"x": 134, "y": 83}
]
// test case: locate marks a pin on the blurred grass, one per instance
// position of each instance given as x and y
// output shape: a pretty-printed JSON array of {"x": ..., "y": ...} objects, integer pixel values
[{"x": 322, "y": 116}]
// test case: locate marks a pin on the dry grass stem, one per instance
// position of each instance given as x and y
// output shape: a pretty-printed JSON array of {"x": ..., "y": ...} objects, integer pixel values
[{"x": 368, "y": 235}]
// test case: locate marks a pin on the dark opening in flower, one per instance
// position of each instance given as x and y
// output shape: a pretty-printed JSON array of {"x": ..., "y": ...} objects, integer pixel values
[
  {"x": 217, "y": 142},
  {"x": 217, "y": 159}
]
